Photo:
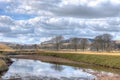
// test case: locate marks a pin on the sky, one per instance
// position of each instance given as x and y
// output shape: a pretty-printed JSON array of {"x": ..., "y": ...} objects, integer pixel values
[{"x": 35, "y": 21}]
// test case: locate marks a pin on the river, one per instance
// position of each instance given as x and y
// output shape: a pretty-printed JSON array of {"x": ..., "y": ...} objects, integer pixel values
[{"x": 27, "y": 69}]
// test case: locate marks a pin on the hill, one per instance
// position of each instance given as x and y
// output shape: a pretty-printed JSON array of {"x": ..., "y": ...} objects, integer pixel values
[{"x": 4, "y": 47}]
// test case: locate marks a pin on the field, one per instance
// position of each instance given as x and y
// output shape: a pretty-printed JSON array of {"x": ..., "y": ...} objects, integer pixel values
[
  {"x": 114, "y": 53},
  {"x": 102, "y": 60}
]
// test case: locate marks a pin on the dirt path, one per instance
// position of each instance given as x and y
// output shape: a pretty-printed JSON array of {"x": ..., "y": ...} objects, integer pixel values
[{"x": 99, "y": 75}]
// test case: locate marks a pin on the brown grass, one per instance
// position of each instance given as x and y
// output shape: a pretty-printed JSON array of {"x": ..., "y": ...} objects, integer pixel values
[
  {"x": 114, "y": 53},
  {"x": 3, "y": 65},
  {"x": 4, "y": 47}
]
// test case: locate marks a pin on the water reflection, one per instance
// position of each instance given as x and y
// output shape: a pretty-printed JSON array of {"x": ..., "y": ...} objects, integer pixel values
[
  {"x": 57, "y": 67},
  {"x": 23, "y": 69}
]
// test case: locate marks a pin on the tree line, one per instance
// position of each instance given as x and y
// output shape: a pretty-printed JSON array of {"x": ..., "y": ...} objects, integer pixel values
[{"x": 102, "y": 42}]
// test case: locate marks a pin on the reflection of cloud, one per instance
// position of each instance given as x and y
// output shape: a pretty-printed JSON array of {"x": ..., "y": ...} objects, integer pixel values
[{"x": 25, "y": 68}]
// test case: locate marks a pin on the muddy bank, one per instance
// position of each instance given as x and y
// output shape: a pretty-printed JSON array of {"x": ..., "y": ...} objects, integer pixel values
[
  {"x": 99, "y": 75},
  {"x": 47, "y": 59}
]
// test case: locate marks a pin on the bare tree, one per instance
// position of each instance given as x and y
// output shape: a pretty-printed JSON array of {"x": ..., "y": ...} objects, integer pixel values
[
  {"x": 75, "y": 43},
  {"x": 84, "y": 43},
  {"x": 17, "y": 46},
  {"x": 35, "y": 46},
  {"x": 97, "y": 43},
  {"x": 57, "y": 40},
  {"x": 102, "y": 42},
  {"x": 107, "y": 41}
]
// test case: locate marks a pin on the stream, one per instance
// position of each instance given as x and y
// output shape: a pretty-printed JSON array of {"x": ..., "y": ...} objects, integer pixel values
[{"x": 26, "y": 69}]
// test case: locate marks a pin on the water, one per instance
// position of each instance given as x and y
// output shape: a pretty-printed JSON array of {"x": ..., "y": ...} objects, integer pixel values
[{"x": 24, "y": 69}]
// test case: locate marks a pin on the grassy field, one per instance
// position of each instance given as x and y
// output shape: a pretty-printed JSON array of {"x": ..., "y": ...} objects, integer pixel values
[{"x": 112, "y": 61}]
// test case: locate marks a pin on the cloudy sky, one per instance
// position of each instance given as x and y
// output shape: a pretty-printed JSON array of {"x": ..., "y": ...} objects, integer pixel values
[{"x": 34, "y": 21}]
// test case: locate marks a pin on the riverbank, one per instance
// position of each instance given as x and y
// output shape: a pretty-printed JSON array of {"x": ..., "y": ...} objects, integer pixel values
[
  {"x": 109, "y": 61},
  {"x": 3, "y": 66},
  {"x": 104, "y": 59},
  {"x": 69, "y": 62},
  {"x": 100, "y": 74},
  {"x": 4, "y": 63}
]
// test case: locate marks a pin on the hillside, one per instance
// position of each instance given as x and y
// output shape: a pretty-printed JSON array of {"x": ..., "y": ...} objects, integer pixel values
[{"x": 4, "y": 47}]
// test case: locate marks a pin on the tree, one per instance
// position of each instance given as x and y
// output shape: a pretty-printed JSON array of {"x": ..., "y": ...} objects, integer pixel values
[
  {"x": 102, "y": 42},
  {"x": 84, "y": 43},
  {"x": 57, "y": 40},
  {"x": 97, "y": 43},
  {"x": 35, "y": 46},
  {"x": 17, "y": 46},
  {"x": 75, "y": 43},
  {"x": 107, "y": 41}
]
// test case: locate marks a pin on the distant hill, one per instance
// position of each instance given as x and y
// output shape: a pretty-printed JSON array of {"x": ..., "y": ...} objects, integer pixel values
[
  {"x": 20, "y": 46},
  {"x": 14, "y": 46},
  {"x": 67, "y": 40},
  {"x": 4, "y": 47}
]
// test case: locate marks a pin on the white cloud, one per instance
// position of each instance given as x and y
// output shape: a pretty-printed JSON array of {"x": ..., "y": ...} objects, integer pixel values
[
  {"x": 71, "y": 8},
  {"x": 81, "y": 18},
  {"x": 41, "y": 28},
  {"x": 5, "y": 0}
]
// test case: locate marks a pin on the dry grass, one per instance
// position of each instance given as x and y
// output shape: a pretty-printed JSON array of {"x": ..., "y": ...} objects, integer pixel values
[
  {"x": 4, "y": 47},
  {"x": 115, "y": 53},
  {"x": 3, "y": 65},
  {"x": 1, "y": 56}
]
